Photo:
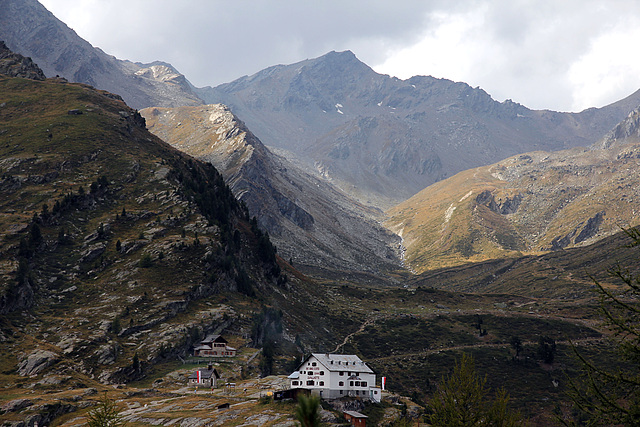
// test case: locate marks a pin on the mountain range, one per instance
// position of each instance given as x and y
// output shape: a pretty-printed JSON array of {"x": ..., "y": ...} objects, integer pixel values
[
  {"x": 312, "y": 223},
  {"x": 121, "y": 248},
  {"x": 30, "y": 29},
  {"x": 342, "y": 143},
  {"x": 383, "y": 139}
]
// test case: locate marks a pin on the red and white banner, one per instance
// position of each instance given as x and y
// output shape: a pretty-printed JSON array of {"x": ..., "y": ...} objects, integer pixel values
[
  {"x": 199, "y": 376},
  {"x": 384, "y": 382}
]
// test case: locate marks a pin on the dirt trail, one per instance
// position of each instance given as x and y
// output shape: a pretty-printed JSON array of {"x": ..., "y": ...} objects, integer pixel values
[{"x": 576, "y": 342}]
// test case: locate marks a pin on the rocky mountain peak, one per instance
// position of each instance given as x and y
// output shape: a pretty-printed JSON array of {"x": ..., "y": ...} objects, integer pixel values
[
  {"x": 31, "y": 30},
  {"x": 16, "y": 65},
  {"x": 627, "y": 131}
]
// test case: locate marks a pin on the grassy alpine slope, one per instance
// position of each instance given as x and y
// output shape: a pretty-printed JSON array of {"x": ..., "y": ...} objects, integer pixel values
[
  {"x": 118, "y": 253},
  {"x": 527, "y": 204}
]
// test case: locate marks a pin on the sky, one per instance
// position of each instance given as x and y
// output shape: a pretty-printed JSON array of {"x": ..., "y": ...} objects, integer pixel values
[{"x": 563, "y": 55}]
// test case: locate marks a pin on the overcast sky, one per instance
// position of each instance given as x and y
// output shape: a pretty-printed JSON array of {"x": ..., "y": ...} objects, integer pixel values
[{"x": 564, "y": 55}]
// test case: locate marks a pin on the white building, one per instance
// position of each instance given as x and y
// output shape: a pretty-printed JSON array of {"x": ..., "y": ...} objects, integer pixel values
[{"x": 332, "y": 376}]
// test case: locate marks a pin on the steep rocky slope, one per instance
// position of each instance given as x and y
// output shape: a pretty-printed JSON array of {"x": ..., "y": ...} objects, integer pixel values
[
  {"x": 626, "y": 132},
  {"x": 31, "y": 30},
  {"x": 118, "y": 251},
  {"x": 529, "y": 203},
  {"x": 311, "y": 223},
  {"x": 384, "y": 139}
]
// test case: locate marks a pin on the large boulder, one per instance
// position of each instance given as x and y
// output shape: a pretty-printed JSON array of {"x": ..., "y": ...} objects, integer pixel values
[{"x": 36, "y": 362}]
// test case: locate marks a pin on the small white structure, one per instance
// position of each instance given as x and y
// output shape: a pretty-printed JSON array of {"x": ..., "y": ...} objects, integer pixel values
[
  {"x": 332, "y": 376},
  {"x": 208, "y": 377}
]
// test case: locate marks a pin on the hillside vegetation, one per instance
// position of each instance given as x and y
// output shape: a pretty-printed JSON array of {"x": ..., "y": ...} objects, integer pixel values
[
  {"x": 117, "y": 247},
  {"x": 527, "y": 204}
]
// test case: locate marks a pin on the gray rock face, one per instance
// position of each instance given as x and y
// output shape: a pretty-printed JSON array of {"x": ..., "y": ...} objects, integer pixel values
[
  {"x": 310, "y": 222},
  {"x": 383, "y": 139},
  {"x": 506, "y": 207},
  {"x": 627, "y": 131},
  {"x": 15, "y": 65},
  {"x": 16, "y": 405},
  {"x": 36, "y": 362},
  {"x": 92, "y": 252},
  {"x": 25, "y": 25}
]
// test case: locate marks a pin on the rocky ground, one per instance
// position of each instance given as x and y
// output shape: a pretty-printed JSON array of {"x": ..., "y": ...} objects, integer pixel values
[{"x": 169, "y": 402}]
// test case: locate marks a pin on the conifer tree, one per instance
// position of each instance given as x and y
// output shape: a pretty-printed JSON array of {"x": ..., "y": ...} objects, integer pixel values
[
  {"x": 308, "y": 411},
  {"x": 461, "y": 400},
  {"x": 106, "y": 414},
  {"x": 611, "y": 395}
]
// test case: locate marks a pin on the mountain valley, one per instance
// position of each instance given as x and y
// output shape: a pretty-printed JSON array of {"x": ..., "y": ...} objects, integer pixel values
[
  {"x": 406, "y": 221},
  {"x": 312, "y": 223},
  {"x": 382, "y": 139}
]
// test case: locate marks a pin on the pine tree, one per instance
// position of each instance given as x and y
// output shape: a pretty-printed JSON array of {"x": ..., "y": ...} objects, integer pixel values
[
  {"x": 106, "y": 414},
  {"x": 308, "y": 411},
  {"x": 461, "y": 400},
  {"x": 611, "y": 395}
]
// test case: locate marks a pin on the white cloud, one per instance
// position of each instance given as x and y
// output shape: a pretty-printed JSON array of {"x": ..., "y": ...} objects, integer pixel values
[
  {"x": 611, "y": 66},
  {"x": 562, "y": 55},
  {"x": 556, "y": 55}
]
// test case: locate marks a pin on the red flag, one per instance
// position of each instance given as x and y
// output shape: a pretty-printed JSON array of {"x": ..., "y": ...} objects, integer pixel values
[
  {"x": 384, "y": 382},
  {"x": 199, "y": 376}
]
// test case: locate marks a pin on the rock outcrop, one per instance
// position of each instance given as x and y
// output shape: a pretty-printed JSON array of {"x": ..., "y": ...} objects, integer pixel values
[
  {"x": 36, "y": 362},
  {"x": 15, "y": 65}
]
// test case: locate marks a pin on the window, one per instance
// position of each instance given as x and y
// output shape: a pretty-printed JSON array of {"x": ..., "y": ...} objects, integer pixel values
[
  {"x": 351, "y": 383},
  {"x": 313, "y": 364},
  {"x": 375, "y": 392},
  {"x": 341, "y": 373},
  {"x": 357, "y": 383},
  {"x": 321, "y": 372},
  {"x": 340, "y": 391},
  {"x": 294, "y": 382},
  {"x": 341, "y": 384},
  {"x": 310, "y": 382},
  {"x": 357, "y": 392},
  {"x": 363, "y": 383},
  {"x": 321, "y": 383}
]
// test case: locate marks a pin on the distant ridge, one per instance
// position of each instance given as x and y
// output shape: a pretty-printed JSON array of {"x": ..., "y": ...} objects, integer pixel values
[
  {"x": 527, "y": 204},
  {"x": 383, "y": 139},
  {"x": 31, "y": 30}
]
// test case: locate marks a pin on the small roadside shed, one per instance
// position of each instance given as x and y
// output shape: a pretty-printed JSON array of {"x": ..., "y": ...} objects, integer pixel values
[
  {"x": 356, "y": 418},
  {"x": 291, "y": 393},
  {"x": 208, "y": 377}
]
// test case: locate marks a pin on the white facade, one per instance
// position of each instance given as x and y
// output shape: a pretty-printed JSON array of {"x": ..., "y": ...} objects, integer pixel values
[{"x": 332, "y": 376}]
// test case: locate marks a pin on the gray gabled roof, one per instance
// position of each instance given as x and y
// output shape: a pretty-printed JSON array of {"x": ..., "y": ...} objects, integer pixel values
[
  {"x": 355, "y": 414},
  {"x": 213, "y": 338},
  {"x": 205, "y": 374},
  {"x": 339, "y": 362}
]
